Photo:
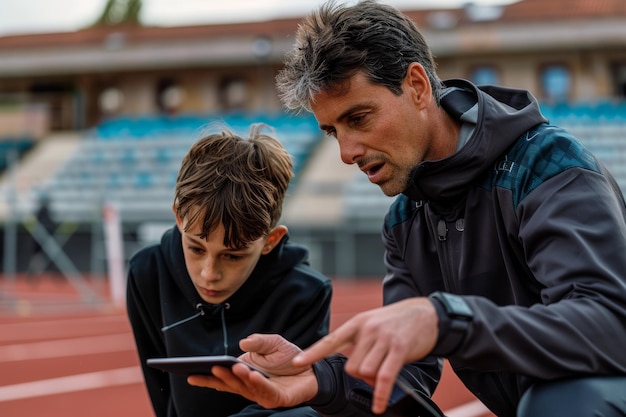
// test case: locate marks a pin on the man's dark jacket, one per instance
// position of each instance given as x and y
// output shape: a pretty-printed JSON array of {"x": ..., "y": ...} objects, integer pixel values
[{"x": 530, "y": 229}]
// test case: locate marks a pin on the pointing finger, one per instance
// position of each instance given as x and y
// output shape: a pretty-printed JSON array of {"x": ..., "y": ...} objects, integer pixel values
[{"x": 334, "y": 342}]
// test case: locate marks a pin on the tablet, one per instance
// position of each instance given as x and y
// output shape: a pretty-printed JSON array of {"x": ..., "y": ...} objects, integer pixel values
[{"x": 196, "y": 365}]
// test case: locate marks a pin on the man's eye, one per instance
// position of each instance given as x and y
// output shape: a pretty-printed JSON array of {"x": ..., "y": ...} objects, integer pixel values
[
  {"x": 232, "y": 257},
  {"x": 356, "y": 119},
  {"x": 194, "y": 249}
]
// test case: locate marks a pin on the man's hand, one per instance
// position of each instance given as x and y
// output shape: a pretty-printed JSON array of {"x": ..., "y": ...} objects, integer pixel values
[
  {"x": 288, "y": 385},
  {"x": 379, "y": 343}
]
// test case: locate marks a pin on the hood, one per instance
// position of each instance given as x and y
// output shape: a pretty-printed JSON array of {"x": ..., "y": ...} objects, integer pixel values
[
  {"x": 504, "y": 114},
  {"x": 264, "y": 278}
]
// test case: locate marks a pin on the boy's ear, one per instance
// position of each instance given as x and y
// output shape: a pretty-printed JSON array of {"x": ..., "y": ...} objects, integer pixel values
[
  {"x": 179, "y": 221},
  {"x": 273, "y": 238}
]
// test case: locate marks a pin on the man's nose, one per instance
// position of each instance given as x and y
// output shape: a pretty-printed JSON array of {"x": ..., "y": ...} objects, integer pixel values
[{"x": 349, "y": 147}]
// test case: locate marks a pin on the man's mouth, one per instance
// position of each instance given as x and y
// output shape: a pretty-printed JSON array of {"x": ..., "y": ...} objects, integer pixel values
[
  {"x": 373, "y": 172},
  {"x": 374, "y": 169}
]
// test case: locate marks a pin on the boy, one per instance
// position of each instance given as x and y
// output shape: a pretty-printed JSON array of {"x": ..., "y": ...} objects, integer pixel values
[{"x": 226, "y": 270}]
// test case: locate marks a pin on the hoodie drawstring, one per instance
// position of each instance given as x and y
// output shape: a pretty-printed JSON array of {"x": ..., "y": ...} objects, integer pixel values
[
  {"x": 201, "y": 312},
  {"x": 224, "y": 332},
  {"x": 178, "y": 323}
]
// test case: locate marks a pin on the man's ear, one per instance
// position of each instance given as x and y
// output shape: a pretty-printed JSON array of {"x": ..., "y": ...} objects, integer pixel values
[
  {"x": 273, "y": 238},
  {"x": 418, "y": 84}
]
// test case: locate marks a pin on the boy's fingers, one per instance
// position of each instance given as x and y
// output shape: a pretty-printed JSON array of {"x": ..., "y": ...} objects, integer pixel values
[
  {"x": 260, "y": 343},
  {"x": 203, "y": 381}
]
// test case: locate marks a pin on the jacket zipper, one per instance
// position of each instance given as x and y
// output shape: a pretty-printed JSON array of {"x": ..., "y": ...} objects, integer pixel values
[{"x": 444, "y": 256}]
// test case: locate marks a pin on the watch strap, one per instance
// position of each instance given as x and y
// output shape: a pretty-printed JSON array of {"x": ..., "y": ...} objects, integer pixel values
[{"x": 455, "y": 318}]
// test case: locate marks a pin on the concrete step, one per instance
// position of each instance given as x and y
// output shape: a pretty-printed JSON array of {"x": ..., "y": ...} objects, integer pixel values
[{"x": 19, "y": 185}]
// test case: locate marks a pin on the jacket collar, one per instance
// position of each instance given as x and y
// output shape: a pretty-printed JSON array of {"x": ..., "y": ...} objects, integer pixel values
[{"x": 501, "y": 114}]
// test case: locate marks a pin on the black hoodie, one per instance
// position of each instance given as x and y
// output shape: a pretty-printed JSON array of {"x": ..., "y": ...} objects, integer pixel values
[{"x": 283, "y": 295}]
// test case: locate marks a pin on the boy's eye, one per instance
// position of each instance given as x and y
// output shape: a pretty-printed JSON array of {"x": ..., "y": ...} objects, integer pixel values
[
  {"x": 194, "y": 249},
  {"x": 233, "y": 257}
]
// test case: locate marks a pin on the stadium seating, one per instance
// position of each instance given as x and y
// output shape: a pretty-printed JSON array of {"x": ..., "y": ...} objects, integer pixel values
[
  {"x": 601, "y": 127},
  {"x": 133, "y": 162},
  {"x": 11, "y": 147}
]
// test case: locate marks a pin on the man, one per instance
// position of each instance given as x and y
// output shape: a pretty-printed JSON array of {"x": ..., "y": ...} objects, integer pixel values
[
  {"x": 505, "y": 249},
  {"x": 224, "y": 271}
]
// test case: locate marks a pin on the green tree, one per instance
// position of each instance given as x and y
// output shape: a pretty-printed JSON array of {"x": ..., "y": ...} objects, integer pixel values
[{"x": 120, "y": 12}]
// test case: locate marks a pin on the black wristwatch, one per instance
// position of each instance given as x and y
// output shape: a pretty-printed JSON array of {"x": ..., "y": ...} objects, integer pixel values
[{"x": 452, "y": 328}]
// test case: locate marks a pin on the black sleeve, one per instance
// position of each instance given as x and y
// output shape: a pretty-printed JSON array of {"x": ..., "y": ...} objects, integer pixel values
[
  {"x": 146, "y": 329},
  {"x": 340, "y": 394},
  {"x": 255, "y": 410}
]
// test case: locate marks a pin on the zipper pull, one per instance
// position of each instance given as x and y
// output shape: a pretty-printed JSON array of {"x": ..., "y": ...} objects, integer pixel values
[{"x": 442, "y": 230}]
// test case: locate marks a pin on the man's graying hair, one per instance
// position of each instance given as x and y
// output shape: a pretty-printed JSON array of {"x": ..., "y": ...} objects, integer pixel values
[{"x": 336, "y": 41}]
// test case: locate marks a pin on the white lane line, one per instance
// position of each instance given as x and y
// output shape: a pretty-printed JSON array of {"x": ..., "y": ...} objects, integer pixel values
[
  {"x": 66, "y": 384},
  {"x": 67, "y": 347},
  {"x": 53, "y": 328},
  {"x": 472, "y": 409}
]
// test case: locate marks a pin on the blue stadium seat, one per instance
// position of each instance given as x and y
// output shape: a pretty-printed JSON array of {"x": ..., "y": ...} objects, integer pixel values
[{"x": 135, "y": 160}]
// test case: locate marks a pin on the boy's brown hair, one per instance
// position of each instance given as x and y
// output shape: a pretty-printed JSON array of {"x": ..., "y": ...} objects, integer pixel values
[{"x": 240, "y": 183}]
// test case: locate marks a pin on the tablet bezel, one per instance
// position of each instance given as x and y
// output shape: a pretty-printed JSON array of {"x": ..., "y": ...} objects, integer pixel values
[{"x": 196, "y": 365}]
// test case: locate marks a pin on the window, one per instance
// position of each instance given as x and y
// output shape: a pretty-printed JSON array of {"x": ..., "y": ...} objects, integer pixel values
[
  {"x": 619, "y": 79},
  {"x": 484, "y": 74},
  {"x": 169, "y": 95},
  {"x": 233, "y": 94},
  {"x": 556, "y": 83},
  {"x": 110, "y": 100}
]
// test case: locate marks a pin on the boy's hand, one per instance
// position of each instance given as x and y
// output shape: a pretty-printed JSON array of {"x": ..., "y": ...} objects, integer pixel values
[{"x": 288, "y": 385}]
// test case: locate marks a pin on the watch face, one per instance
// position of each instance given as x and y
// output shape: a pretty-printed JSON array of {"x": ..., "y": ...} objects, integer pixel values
[
  {"x": 455, "y": 305},
  {"x": 458, "y": 306}
]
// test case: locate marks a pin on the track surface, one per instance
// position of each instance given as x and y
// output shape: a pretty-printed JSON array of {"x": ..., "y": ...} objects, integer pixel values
[{"x": 64, "y": 355}]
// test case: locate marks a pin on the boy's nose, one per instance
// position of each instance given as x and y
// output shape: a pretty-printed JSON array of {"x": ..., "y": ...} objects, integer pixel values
[{"x": 209, "y": 271}]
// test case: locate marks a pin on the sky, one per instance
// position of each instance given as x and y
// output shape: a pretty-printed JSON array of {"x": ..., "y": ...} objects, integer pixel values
[{"x": 46, "y": 16}]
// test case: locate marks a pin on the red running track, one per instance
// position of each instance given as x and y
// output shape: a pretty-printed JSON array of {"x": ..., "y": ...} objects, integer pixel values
[{"x": 62, "y": 356}]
